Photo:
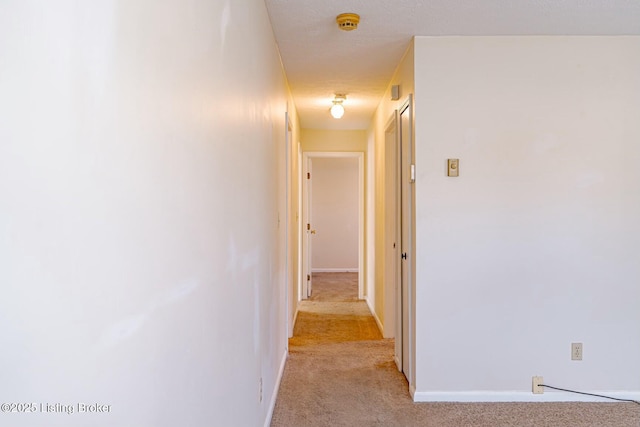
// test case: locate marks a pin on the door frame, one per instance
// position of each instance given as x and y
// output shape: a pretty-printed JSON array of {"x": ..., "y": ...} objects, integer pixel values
[
  {"x": 307, "y": 156},
  {"x": 409, "y": 206},
  {"x": 300, "y": 238},
  {"x": 391, "y": 251}
]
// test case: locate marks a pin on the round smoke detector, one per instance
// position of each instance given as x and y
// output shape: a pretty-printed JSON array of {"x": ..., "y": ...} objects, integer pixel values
[{"x": 348, "y": 21}]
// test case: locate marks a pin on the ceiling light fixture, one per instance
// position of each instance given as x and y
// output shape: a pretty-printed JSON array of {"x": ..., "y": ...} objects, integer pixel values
[
  {"x": 337, "y": 109},
  {"x": 348, "y": 21}
]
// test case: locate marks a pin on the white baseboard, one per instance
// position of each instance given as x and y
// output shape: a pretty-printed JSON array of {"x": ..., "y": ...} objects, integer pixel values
[
  {"x": 334, "y": 270},
  {"x": 293, "y": 325},
  {"x": 375, "y": 316},
  {"x": 276, "y": 388},
  {"x": 518, "y": 396}
]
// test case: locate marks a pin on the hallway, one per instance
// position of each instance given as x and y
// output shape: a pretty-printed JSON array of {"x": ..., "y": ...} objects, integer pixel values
[{"x": 340, "y": 372}]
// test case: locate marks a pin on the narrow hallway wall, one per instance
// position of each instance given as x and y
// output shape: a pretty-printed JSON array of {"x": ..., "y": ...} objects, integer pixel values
[
  {"x": 141, "y": 191},
  {"x": 384, "y": 284}
]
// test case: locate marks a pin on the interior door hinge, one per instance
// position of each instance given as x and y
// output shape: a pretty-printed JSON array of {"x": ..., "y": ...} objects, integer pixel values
[
  {"x": 308, "y": 277},
  {"x": 308, "y": 175},
  {"x": 308, "y": 226}
]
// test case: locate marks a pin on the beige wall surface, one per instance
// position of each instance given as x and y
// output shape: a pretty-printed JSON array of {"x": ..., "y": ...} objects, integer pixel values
[
  {"x": 142, "y": 186},
  {"x": 294, "y": 201},
  {"x": 535, "y": 245},
  {"x": 335, "y": 214},
  {"x": 381, "y": 295},
  {"x": 334, "y": 140}
]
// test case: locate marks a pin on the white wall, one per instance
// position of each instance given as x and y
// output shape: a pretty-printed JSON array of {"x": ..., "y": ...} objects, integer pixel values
[
  {"x": 335, "y": 209},
  {"x": 140, "y": 256},
  {"x": 536, "y": 244}
]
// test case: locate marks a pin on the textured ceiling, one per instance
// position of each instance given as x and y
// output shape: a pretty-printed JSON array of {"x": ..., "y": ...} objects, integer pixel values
[{"x": 321, "y": 60}]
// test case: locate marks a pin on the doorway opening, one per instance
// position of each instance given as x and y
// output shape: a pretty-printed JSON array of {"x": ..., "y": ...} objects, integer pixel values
[{"x": 332, "y": 242}]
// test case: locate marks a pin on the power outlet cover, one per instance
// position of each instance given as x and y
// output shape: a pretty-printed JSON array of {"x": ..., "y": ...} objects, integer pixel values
[
  {"x": 576, "y": 351},
  {"x": 536, "y": 385}
]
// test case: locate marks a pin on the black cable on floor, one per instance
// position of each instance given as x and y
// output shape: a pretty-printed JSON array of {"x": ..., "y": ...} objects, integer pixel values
[{"x": 591, "y": 394}]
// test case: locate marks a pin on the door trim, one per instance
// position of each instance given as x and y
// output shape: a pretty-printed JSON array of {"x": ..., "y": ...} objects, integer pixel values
[
  {"x": 392, "y": 277},
  {"x": 411, "y": 244}
]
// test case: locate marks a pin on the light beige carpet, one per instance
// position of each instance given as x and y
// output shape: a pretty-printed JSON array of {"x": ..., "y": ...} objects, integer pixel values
[
  {"x": 340, "y": 372},
  {"x": 335, "y": 287}
]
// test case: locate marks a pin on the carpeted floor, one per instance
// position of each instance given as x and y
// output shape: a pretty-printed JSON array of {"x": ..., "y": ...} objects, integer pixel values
[
  {"x": 335, "y": 287},
  {"x": 340, "y": 372}
]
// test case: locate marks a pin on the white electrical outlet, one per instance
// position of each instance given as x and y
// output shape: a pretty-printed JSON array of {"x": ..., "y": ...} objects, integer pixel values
[
  {"x": 536, "y": 385},
  {"x": 576, "y": 351}
]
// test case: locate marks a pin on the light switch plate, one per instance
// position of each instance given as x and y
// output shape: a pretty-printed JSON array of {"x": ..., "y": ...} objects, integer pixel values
[{"x": 453, "y": 166}]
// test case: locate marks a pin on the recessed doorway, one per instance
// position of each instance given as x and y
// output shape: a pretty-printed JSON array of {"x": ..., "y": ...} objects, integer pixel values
[{"x": 333, "y": 216}]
